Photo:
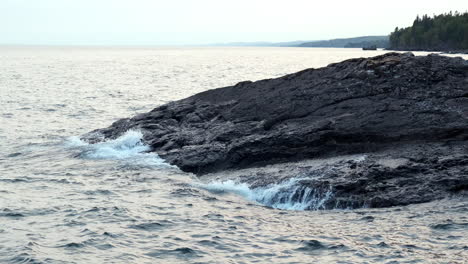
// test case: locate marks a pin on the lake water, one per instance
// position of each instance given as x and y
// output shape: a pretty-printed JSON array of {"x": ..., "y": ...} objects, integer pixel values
[{"x": 64, "y": 201}]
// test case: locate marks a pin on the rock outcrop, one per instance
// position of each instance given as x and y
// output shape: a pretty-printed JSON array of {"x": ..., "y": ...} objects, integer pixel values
[{"x": 372, "y": 106}]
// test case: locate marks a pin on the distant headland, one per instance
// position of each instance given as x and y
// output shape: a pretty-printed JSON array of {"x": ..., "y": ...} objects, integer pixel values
[
  {"x": 446, "y": 33},
  {"x": 357, "y": 42}
]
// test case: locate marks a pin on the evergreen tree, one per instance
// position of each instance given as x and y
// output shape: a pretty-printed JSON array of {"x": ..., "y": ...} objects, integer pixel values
[{"x": 441, "y": 32}]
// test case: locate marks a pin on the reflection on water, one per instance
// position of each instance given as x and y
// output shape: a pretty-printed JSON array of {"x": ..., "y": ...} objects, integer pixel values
[{"x": 64, "y": 201}]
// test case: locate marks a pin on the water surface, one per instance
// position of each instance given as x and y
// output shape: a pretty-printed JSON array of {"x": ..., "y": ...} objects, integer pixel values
[{"x": 64, "y": 201}]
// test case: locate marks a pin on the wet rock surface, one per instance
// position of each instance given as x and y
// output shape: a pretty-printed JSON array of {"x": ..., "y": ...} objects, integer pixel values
[
  {"x": 407, "y": 114},
  {"x": 399, "y": 176}
]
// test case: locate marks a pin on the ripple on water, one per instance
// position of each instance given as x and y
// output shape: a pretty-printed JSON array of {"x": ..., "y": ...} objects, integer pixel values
[
  {"x": 20, "y": 213},
  {"x": 109, "y": 234},
  {"x": 182, "y": 252},
  {"x": 14, "y": 180},
  {"x": 368, "y": 218},
  {"x": 382, "y": 245},
  {"x": 25, "y": 258},
  {"x": 449, "y": 226},
  {"x": 185, "y": 191},
  {"x": 11, "y": 214},
  {"x": 152, "y": 226},
  {"x": 99, "y": 192},
  {"x": 73, "y": 245},
  {"x": 13, "y": 155},
  {"x": 315, "y": 245}
]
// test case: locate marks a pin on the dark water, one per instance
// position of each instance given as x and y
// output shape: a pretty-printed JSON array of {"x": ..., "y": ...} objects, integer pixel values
[{"x": 64, "y": 201}]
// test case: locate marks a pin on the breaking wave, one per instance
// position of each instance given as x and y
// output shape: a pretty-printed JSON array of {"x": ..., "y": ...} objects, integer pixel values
[
  {"x": 286, "y": 195},
  {"x": 129, "y": 148}
]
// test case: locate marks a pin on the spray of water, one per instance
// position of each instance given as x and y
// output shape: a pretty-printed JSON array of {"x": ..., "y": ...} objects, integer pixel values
[
  {"x": 129, "y": 148},
  {"x": 287, "y": 195}
]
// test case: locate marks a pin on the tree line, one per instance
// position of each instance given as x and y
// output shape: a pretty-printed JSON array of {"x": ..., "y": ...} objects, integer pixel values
[{"x": 445, "y": 32}]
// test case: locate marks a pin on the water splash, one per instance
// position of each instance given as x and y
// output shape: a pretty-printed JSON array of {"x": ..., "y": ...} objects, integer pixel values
[
  {"x": 129, "y": 148},
  {"x": 286, "y": 195}
]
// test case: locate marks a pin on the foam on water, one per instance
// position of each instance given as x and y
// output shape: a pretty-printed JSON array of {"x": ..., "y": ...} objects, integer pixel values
[
  {"x": 129, "y": 147},
  {"x": 287, "y": 195}
]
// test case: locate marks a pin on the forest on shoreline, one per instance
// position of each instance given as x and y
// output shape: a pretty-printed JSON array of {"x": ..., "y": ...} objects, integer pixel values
[{"x": 445, "y": 32}]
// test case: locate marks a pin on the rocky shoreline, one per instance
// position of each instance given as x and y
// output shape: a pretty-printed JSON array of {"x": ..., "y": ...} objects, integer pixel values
[
  {"x": 407, "y": 114},
  {"x": 441, "y": 51}
]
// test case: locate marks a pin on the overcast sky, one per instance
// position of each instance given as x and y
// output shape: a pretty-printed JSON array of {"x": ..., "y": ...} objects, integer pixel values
[{"x": 155, "y": 22}]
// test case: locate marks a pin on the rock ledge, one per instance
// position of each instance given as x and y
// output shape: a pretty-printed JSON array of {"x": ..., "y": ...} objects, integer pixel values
[{"x": 393, "y": 106}]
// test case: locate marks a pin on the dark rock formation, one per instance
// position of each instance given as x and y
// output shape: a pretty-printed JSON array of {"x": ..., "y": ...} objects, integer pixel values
[
  {"x": 366, "y": 105},
  {"x": 456, "y": 52},
  {"x": 398, "y": 176}
]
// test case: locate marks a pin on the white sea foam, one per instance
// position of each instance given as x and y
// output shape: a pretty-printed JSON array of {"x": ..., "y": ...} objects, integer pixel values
[
  {"x": 74, "y": 142},
  {"x": 287, "y": 195},
  {"x": 129, "y": 147}
]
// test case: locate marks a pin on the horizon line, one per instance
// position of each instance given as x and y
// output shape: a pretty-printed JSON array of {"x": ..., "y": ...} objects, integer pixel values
[{"x": 177, "y": 45}]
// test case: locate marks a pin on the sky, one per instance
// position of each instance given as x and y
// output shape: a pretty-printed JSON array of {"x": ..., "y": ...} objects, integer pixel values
[{"x": 195, "y": 22}]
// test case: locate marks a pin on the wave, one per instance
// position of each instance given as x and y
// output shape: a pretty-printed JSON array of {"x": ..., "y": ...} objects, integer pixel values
[
  {"x": 287, "y": 195},
  {"x": 129, "y": 147}
]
